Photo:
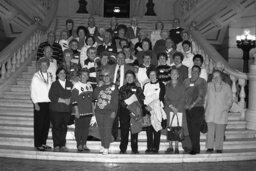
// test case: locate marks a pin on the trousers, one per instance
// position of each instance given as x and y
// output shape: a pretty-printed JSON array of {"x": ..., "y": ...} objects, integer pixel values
[
  {"x": 215, "y": 136},
  {"x": 82, "y": 129},
  {"x": 41, "y": 124},
  {"x": 125, "y": 127},
  {"x": 105, "y": 123},
  {"x": 59, "y": 122},
  {"x": 153, "y": 138},
  {"x": 195, "y": 117}
]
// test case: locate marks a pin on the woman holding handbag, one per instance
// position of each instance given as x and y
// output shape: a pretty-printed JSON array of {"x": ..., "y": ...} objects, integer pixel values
[
  {"x": 131, "y": 99},
  {"x": 174, "y": 105}
]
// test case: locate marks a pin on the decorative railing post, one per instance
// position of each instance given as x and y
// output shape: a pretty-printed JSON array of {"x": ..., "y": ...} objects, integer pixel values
[
  {"x": 242, "y": 84},
  {"x": 3, "y": 70},
  {"x": 234, "y": 89},
  {"x": 14, "y": 62},
  {"x": 18, "y": 58},
  {"x": 8, "y": 67}
]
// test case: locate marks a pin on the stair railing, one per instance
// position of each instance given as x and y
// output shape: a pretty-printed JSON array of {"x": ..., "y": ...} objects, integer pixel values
[
  {"x": 212, "y": 56},
  {"x": 20, "y": 52}
]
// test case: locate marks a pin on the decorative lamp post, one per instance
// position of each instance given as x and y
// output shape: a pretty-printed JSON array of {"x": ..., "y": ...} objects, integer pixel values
[{"x": 246, "y": 42}]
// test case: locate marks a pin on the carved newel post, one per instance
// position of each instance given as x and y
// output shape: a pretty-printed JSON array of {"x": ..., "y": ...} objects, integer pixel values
[
  {"x": 82, "y": 7},
  {"x": 150, "y": 8}
]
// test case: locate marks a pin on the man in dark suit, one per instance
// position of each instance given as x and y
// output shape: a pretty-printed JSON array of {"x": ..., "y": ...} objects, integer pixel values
[
  {"x": 107, "y": 44},
  {"x": 133, "y": 31},
  {"x": 175, "y": 32},
  {"x": 118, "y": 72}
]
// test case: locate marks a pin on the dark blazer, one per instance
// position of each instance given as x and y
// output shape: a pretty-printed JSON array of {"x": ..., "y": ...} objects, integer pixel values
[
  {"x": 111, "y": 49},
  {"x": 56, "y": 92},
  {"x": 96, "y": 32},
  {"x": 130, "y": 33}
]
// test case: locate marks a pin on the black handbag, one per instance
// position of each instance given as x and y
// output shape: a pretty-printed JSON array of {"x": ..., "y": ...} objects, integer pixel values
[
  {"x": 203, "y": 127},
  {"x": 175, "y": 133}
]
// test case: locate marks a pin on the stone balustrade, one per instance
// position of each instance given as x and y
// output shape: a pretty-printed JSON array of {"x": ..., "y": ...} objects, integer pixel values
[
  {"x": 10, "y": 63},
  {"x": 20, "y": 52}
]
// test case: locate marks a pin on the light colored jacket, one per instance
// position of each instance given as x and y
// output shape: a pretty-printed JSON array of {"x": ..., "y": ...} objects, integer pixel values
[{"x": 218, "y": 103}]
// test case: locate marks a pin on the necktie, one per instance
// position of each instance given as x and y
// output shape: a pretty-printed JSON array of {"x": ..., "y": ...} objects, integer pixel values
[{"x": 118, "y": 76}]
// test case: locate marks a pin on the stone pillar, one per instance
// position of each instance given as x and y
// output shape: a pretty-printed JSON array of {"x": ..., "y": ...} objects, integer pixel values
[{"x": 251, "y": 111}]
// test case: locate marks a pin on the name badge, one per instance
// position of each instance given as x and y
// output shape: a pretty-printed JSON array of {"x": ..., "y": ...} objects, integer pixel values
[
  {"x": 162, "y": 71},
  {"x": 113, "y": 88},
  {"x": 110, "y": 49},
  {"x": 191, "y": 85},
  {"x": 68, "y": 88},
  {"x": 133, "y": 90},
  {"x": 72, "y": 69}
]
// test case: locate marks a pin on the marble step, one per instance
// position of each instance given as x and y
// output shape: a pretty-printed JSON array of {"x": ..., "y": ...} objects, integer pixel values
[
  {"x": 27, "y": 76},
  {"x": 16, "y": 100},
  {"x": 15, "y": 96},
  {"x": 17, "y": 113},
  {"x": 27, "y": 83},
  {"x": 24, "y": 121},
  {"x": 18, "y": 93},
  {"x": 5, "y": 118},
  {"x": 94, "y": 145},
  {"x": 15, "y": 104},
  {"x": 20, "y": 89},
  {"x": 24, "y": 79},
  {"x": 25, "y": 130},
  {"x": 95, "y": 156},
  {"x": 15, "y": 110},
  {"x": 29, "y": 113}
]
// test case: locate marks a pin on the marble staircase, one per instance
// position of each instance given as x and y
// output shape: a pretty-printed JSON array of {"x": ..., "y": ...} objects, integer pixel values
[
  {"x": 146, "y": 23},
  {"x": 16, "y": 136}
]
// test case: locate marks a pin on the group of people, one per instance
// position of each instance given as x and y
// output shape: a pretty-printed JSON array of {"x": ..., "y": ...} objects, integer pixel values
[{"x": 120, "y": 78}]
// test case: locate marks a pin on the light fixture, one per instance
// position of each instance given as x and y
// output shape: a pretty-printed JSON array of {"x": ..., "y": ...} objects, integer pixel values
[
  {"x": 246, "y": 42},
  {"x": 116, "y": 10}
]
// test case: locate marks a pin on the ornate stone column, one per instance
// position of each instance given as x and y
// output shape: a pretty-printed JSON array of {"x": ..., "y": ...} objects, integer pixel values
[{"x": 251, "y": 111}]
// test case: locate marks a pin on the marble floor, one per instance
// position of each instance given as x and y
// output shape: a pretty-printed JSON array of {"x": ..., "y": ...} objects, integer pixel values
[{"x": 7, "y": 164}]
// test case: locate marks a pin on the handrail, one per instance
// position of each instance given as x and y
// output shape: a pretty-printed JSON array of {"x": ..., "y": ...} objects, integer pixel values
[
  {"x": 20, "y": 50},
  {"x": 214, "y": 54}
]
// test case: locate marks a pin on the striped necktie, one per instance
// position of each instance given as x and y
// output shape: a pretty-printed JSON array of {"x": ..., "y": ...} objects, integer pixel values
[{"x": 118, "y": 75}]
